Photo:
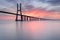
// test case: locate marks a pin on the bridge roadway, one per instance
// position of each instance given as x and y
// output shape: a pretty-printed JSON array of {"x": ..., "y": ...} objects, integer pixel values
[{"x": 26, "y": 18}]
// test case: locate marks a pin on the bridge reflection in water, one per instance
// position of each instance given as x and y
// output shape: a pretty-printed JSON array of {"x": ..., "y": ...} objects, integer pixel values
[
  {"x": 22, "y": 17},
  {"x": 34, "y": 30}
]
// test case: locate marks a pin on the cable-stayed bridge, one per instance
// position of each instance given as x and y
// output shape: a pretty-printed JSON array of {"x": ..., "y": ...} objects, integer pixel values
[
  {"x": 22, "y": 17},
  {"x": 25, "y": 17}
]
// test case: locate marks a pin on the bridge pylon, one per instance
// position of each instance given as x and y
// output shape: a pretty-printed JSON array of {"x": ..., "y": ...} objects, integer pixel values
[
  {"x": 17, "y": 13},
  {"x": 19, "y": 10}
]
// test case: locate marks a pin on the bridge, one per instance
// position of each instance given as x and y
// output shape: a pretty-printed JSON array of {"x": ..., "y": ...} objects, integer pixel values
[{"x": 22, "y": 17}]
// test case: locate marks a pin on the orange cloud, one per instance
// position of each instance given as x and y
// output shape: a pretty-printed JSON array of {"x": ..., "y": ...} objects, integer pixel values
[{"x": 42, "y": 14}]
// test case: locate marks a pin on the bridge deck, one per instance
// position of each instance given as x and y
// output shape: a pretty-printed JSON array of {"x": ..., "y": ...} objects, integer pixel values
[{"x": 18, "y": 14}]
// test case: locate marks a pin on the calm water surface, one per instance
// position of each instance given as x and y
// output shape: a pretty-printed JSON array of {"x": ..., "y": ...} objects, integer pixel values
[{"x": 31, "y": 30}]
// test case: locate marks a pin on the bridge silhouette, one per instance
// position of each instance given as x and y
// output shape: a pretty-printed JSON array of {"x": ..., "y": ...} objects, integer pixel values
[{"x": 22, "y": 17}]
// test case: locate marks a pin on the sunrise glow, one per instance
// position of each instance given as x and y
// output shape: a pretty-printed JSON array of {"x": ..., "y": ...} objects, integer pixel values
[{"x": 37, "y": 8}]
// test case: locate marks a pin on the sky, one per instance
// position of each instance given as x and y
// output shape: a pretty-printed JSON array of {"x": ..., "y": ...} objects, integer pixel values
[{"x": 37, "y": 8}]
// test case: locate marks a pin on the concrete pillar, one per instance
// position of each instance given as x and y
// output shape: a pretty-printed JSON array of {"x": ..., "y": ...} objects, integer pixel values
[
  {"x": 17, "y": 14},
  {"x": 21, "y": 13},
  {"x": 24, "y": 18},
  {"x": 27, "y": 18}
]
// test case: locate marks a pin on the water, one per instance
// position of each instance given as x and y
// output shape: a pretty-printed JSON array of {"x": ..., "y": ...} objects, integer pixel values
[{"x": 31, "y": 30}]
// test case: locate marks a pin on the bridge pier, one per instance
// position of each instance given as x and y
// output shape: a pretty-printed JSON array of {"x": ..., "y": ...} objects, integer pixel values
[
  {"x": 27, "y": 18},
  {"x": 21, "y": 18},
  {"x": 24, "y": 18}
]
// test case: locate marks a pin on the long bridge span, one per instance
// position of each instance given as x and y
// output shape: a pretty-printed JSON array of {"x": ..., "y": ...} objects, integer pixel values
[{"x": 22, "y": 17}]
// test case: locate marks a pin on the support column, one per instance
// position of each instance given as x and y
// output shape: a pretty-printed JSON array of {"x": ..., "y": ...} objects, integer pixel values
[
  {"x": 24, "y": 18},
  {"x": 21, "y": 13},
  {"x": 17, "y": 14},
  {"x": 30, "y": 18},
  {"x": 27, "y": 18}
]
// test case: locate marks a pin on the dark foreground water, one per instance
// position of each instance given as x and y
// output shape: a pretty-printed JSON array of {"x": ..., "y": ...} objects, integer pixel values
[{"x": 32, "y": 30}]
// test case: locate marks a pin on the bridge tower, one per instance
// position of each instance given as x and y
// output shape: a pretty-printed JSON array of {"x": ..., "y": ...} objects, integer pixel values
[
  {"x": 19, "y": 10},
  {"x": 17, "y": 13}
]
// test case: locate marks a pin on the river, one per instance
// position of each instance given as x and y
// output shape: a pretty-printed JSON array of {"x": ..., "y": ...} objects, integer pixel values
[{"x": 29, "y": 30}]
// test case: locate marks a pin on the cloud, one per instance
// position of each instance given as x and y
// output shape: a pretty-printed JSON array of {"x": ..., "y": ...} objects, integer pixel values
[
  {"x": 53, "y": 2},
  {"x": 8, "y": 5},
  {"x": 29, "y": 7},
  {"x": 12, "y": 1},
  {"x": 48, "y": 5}
]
